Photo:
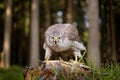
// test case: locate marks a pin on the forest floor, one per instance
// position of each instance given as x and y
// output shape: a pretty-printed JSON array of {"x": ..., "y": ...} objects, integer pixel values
[
  {"x": 106, "y": 72},
  {"x": 62, "y": 70}
]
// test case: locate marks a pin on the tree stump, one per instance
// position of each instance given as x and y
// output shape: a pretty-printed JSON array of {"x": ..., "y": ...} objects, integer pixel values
[{"x": 60, "y": 70}]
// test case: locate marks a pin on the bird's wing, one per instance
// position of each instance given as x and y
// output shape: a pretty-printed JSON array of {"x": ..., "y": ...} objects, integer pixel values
[{"x": 71, "y": 32}]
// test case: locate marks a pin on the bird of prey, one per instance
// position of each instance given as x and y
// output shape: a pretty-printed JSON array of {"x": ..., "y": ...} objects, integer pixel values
[{"x": 62, "y": 37}]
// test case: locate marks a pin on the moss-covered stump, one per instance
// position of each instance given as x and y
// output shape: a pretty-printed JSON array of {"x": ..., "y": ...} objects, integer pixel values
[{"x": 60, "y": 70}]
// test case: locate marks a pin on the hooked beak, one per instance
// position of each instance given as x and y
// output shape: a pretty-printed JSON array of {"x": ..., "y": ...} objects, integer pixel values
[{"x": 55, "y": 42}]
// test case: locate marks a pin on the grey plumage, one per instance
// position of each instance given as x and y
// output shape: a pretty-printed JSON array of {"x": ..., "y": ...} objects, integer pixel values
[{"x": 62, "y": 37}]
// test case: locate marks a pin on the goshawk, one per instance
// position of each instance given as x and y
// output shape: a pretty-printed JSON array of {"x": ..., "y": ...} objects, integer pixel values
[{"x": 62, "y": 37}]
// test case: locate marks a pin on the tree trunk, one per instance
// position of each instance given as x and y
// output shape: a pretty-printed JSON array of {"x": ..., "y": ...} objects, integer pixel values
[
  {"x": 34, "y": 48},
  {"x": 5, "y": 60},
  {"x": 69, "y": 15},
  {"x": 63, "y": 5},
  {"x": 47, "y": 13},
  {"x": 27, "y": 19},
  {"x": 112, "y": 33},
  {"x": 93, "y": 42}
]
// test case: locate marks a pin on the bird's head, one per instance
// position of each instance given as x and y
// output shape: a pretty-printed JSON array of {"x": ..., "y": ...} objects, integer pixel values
[{"x": 54, "y": 38}]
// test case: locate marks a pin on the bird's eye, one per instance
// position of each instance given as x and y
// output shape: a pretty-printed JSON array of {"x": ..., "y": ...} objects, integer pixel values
[
  {"x": 58, "y": 37},
  {"x": 52, "y": 37}
]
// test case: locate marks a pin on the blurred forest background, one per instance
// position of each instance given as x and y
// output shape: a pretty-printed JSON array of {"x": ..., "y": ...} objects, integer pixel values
[{"x": 23, "y": 23}]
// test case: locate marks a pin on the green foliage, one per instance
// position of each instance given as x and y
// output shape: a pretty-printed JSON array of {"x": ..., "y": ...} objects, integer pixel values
[
  {"x": 106, "y": 72},
  {"x": 75, "y": 72},
  {"x": 110, "y": 72},
  {"x": 13, "y": 73}
]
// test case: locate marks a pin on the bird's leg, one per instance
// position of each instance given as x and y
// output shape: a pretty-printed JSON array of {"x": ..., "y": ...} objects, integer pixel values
[
  {"x": 76, "y": 58},
  {"x": 77, "y": 54},
  {"x": 46, "y": 59},
  {"x": 47, "y": 52},
  {"x": 77, "y": 47}
]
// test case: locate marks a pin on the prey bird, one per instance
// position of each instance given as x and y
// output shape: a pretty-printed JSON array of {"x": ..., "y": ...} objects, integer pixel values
[{"x": 62, "y": 37}]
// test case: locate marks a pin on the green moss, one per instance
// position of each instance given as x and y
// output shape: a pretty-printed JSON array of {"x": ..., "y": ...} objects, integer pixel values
[{"x": 13, "y": 73}]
